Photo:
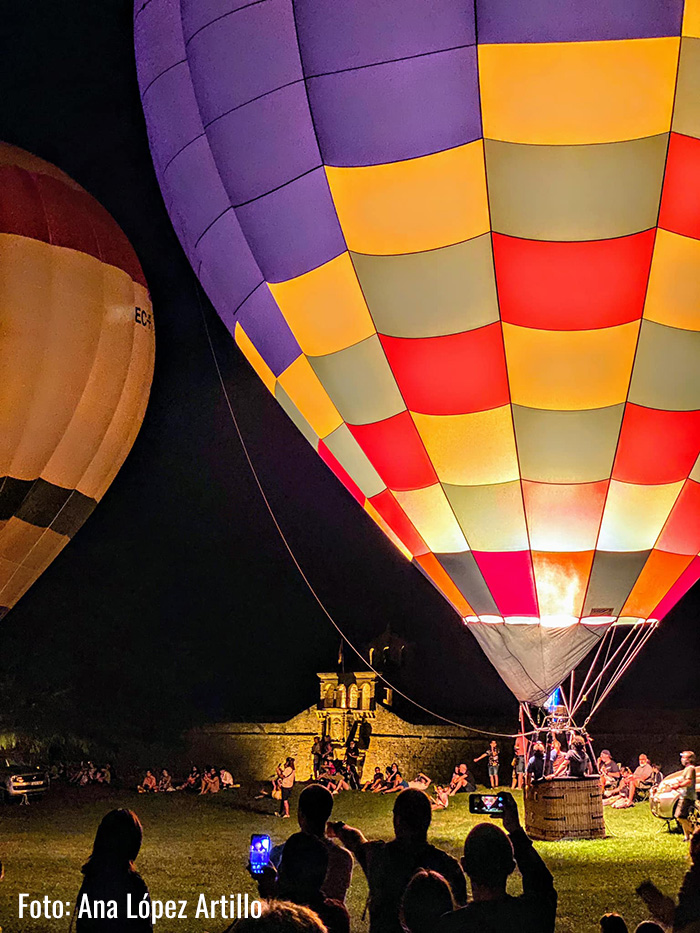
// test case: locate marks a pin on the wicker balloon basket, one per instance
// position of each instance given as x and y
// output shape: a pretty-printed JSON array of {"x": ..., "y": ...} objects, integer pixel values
[{"x": 565, "y": 808}]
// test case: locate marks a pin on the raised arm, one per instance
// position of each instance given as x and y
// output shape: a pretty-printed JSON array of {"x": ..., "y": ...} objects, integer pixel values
[
  {"x": 538, "y": 882},
  {"x": 348, "y": 836}
]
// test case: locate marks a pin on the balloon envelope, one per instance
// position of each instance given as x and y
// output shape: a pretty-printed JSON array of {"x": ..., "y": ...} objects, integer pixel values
[
  {"x": 76, "y": 362},
  {"x": 460, "y": 245}
]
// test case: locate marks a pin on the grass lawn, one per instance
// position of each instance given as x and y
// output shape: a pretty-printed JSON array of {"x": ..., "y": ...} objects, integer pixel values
[{"x": 194, "y": 846}]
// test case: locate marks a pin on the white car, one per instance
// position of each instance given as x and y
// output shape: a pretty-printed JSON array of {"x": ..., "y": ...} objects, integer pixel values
[{"x": 663, "y": 797}]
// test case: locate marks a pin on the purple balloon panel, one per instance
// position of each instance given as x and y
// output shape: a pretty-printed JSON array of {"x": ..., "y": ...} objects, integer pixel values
[
  {"x": 224, "y": 253},
  {"x": 157, "y": 57},
  {"x": 338, "y": 34},
  {"x": 399, "y": 110},
  {"x": 201, "y": 198},
  {"x": 170, "y": 106},
  {"x": 239, "y": 57},
  {"x": 294, "y": 229},
  {"x": 196, "y": 14},
  {"x": 246, "y": 143},
  {"x": 576, "y": 20},
  {"x": 262, "y": 321}
]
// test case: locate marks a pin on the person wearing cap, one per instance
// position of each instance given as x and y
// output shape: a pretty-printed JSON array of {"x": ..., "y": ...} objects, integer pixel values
[{"x": 609, "y": 771}]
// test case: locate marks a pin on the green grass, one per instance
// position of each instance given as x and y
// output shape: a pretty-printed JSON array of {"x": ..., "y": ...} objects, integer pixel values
[{"x": 194, "y": 845}]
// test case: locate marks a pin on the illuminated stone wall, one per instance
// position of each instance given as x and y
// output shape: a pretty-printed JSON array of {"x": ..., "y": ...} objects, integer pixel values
[{"x": 253, "y": 750}]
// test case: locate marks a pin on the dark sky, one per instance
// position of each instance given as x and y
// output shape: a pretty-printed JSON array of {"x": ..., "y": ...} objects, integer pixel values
[{"x": 176, "y": 602}]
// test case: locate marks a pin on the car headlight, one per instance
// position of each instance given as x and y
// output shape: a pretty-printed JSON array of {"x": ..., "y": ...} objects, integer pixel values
[{"x": 18, "y": 780}]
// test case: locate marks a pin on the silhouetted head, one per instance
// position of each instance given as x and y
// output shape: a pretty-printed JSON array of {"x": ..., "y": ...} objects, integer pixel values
[
  {"x": 488, "y": 857},
  {"x": 612, "y": 923},
  {"x": 281, "y": 917},
  {"x": 314, "y": 809},
  {"x": 117, "y": 842},
  {"x": 427, "y": 898},
  {"x": 579, "y": 743},
  {"x": 303, "y": 867},
  {"x": 649, "y": 926},
  {"x": 412, "y": 814}
]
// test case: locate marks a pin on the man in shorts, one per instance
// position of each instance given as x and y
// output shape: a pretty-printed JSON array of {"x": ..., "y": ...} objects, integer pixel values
[{"x": 688, "y": 794}]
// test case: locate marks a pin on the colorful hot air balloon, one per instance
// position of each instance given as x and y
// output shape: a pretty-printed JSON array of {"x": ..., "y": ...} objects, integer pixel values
[
  {"x": 76, "y": 362},
  {"x": 460, "y": 243}
]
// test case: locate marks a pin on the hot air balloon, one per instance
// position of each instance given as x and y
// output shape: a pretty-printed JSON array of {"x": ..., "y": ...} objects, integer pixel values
[
  {"x": 460, "y": 244},
  {"x": 76, "y": 362}
]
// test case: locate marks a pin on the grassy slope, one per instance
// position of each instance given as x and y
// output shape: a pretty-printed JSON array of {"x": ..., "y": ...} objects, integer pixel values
[{"x": 193, "y": 845}]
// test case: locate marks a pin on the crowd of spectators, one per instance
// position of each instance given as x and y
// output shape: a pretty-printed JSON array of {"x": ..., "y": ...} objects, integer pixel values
[
  {"x": 82, "y": 773},
  {"x": 414, "y": 886},
  {"x": 621, "y": 785},
  {"x": 206, "y": 781}
]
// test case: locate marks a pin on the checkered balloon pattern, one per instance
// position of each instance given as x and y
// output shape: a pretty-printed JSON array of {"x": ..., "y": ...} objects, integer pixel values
[{"x": 460, "y": 244}]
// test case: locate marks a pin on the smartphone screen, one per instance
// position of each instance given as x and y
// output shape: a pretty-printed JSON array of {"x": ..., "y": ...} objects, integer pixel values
[
  {"x": 260, "y": 847},
  {"x": 486, "y": 804}
]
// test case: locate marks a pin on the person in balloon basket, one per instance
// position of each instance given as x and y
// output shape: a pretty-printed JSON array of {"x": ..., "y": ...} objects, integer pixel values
[
  {"x": 536, "y": 764},
  {"x": 491, "y": 854},
  {"x": 389, "y": 866},
  {"x": 578, "y": 762}
]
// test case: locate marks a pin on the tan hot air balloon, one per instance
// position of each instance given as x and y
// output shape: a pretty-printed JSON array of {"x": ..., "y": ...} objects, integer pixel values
[{"x": 76, "y": 362}]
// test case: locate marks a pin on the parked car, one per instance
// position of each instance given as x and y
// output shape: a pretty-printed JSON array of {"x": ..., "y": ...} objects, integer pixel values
[
  {"x": 663, "y": 797},
  {"x": 19, "y": 780}
]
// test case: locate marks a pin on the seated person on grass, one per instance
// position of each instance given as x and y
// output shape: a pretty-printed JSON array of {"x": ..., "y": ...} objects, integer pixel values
[{"x": 643, "y": 775}]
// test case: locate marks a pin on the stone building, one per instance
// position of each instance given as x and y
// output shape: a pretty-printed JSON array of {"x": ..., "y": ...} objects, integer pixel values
[{"x": 355, "y": 704}]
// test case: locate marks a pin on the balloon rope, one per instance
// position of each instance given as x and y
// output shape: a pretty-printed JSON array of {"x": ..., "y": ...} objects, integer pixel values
[
  {"x": 425, "y": 709},
  {"x": 632, "y": 653},
  {"x": 631, "y": 636},
  {"x": 582, "y": 689}
]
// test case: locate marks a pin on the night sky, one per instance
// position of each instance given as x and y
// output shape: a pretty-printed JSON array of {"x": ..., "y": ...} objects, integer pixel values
[{"x": 177, "y": 603}]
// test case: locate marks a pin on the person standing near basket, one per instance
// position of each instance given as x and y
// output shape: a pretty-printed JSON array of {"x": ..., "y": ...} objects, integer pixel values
[
  {"x": 492, "y": 753},
  {"x": 286, "y": 776}
]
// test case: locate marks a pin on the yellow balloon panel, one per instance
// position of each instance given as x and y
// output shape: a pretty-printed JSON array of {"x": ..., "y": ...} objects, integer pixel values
[
  {"x": 325, "y": 308},
  {"x": 570, "y": 370},
  {"x": 264, "y": 372},
  {"x": 574, "y": 93},
  {"x": 433, "y": 518},
  {"x": 472, "y": 449},
  {"x": 634, "y": 515},
  {"x": 302, "y": 385},
  {"x": 414, "y": 205},
  {"x": 673, "y": 293}
]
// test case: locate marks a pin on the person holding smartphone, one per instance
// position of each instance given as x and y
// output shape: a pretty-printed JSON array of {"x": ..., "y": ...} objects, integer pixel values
[
  {"x": 490, "y": 857},
  {"x": 389, "y": 866}
]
